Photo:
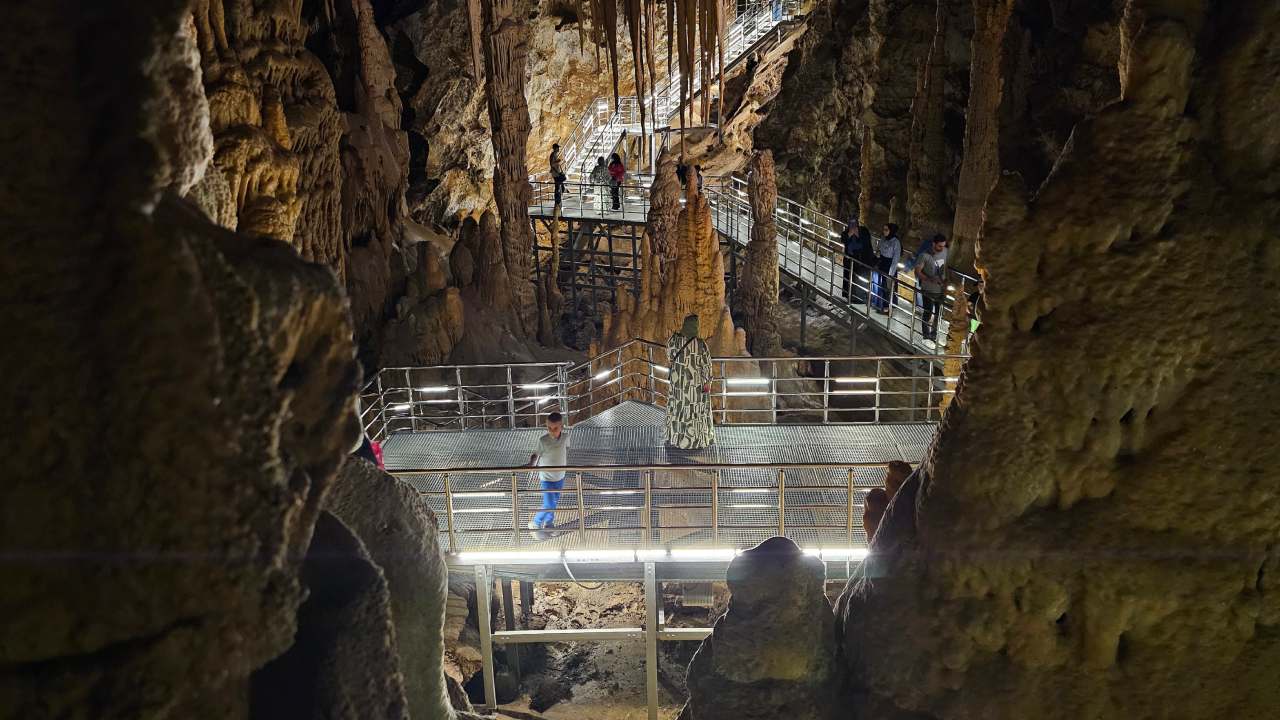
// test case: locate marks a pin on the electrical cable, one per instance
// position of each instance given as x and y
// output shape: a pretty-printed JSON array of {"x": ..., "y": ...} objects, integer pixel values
[{"x": 565, "y": 562}]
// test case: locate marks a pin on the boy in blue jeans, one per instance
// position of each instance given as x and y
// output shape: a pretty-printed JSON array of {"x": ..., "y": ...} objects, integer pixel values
[{"x": 553, "y": 451}]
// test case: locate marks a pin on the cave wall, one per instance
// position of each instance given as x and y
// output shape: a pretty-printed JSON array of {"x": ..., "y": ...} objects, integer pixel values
[
  {"x": 1094, "y": 534},
  {"x": 183, "y": 394}
]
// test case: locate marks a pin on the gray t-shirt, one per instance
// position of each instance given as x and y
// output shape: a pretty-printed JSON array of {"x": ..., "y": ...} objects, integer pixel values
[
  {"x": 933, "y": 272},
  {"x": 552, "y": 452}
]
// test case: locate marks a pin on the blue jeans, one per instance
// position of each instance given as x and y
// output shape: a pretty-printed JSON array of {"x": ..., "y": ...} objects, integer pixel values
[{"x": 550, "y": 498}]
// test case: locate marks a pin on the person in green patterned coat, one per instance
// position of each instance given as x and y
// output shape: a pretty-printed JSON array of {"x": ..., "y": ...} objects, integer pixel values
[{"x": 689, "y": 403}]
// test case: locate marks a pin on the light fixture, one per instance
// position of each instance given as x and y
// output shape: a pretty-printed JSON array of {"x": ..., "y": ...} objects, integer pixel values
[
  {"x": 709, "y": 554},
  {"x": 599, "y": 555},
  {"x": 471, "y": 558},
  {"x": 602, "y": 374},
  {"x": 745, "y": 393},
  {"x": 854, "y": 379},
  {"x": 750, "y": 490},
  {"x": 853, "y": 392},
  {"x": 400, "y": 407},
  {"x": 746, "y": 381},
  {"x": 536, "y": 386},
  {"x": 843, "y": 553},
  {"x": 445, "y": 401},
  {"x": 435, "y": 388},
  {"x": 460, "y": 494},
  {"x": 651, "y": 554},
  {"x": 661, "y": 368}
]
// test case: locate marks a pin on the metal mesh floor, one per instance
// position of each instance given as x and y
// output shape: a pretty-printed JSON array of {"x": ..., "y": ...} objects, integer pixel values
[{"x": 607, "y": 509}]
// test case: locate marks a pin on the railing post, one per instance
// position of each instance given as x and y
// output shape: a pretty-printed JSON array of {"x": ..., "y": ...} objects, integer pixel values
[
  {"x": 782, "y": 501},
  {"x": 849, "y": 517},
  {"x": 648, "y": 507},
  {"x": 562, "y": 384},
  {"x": 582, "y": 515},
  {"x": 448, "y": 511},
  {"x": 462, "y": 408},
  {"x": 382, "y": 408},
  {"x": 511, "y": 400},
  {"x": 773, "y": 392},
  {"x": 651, "y": 639},
  {"x": 648, "y": 350},
  {"x": 804, "y": 304},
  {"x": 515, "y": 509},
  {"x": 879, "y": 372},
  {"x": 413, "y": 404},
  {"x": 826, "y": 391},
  {"x": 715, "y": 507}
]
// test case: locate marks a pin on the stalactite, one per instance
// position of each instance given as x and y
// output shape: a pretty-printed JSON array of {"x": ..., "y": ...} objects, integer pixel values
[
  {"x": 635, "y": 28},
  {"x": 927, "y": 170},
  {"x": 476, "y": 24}
]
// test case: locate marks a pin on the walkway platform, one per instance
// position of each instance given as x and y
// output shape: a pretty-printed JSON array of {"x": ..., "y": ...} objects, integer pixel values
[{"x": 624, "y": 489}]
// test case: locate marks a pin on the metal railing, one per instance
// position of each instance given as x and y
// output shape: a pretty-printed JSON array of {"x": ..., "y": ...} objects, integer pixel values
[
  {"x": 651, "y": 506},
  {"x": 744, "y": 390}
]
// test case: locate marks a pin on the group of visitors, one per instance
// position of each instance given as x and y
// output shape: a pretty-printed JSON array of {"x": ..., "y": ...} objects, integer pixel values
[
  {"x": 884, "y": 258},
  {"x": 604, "y": 175}
]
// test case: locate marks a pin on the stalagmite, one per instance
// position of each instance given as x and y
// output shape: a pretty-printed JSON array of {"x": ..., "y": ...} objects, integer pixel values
[
  {"x": 758, "y": 286},
  {"x": 504, "y": 61}
]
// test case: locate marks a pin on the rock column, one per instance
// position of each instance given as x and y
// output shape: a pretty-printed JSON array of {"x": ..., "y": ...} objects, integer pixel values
[
  {"x": 505, "y": 47},
  {"x": 758, "y": 287}
]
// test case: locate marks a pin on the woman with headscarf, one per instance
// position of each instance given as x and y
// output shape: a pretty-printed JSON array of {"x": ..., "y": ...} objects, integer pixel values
[{"x": 689, "y": 402}]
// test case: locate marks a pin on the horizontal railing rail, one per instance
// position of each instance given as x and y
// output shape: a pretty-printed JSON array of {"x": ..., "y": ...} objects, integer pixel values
[
  {"x": 830, "y": 390},
  {"x": 648, "y": 506}
]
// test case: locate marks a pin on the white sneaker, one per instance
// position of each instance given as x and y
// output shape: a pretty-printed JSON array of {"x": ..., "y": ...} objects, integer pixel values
[{"x": 533, "y": 525}]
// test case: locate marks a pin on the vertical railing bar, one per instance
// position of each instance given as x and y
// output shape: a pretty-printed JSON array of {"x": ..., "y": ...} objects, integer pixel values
[
  {"x": 511, "y": 399},
  {"x": 462, "y": 408},
  {"x": 849, "y": 516},
  {"x": 448, "y": 511},
  {"x": 515, "y": 508},
  {"x": 582, "y": 515},
  {"x": 782, "y": 502}
]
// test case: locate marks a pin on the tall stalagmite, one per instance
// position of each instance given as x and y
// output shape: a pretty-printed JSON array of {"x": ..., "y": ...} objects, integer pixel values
[
  {"x": 1095, "y": 534},
  {"x": 928, "y": 171},
  {"x": 505, "y": 37},
  {"x": 758, "y": 287}
]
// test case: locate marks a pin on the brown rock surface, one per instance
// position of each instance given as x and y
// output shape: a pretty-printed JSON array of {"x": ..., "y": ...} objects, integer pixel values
[
  {"x": 399, "y": 532},
  {"x": 182, "y": 395},
  {"x": 773, "y": 653},
  {"x": 758, "y": 284},
  {"x": 1067, "y": 563},
  {"x": 343, "y": 663}
]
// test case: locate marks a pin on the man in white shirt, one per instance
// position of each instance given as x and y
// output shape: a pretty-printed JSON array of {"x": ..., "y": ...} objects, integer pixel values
[{"x": 553, "y": 451}]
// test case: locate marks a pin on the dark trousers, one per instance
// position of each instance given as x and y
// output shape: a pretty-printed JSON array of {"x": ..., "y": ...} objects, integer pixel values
[
  {"x": 559, "y": 186},
  {"x": 849, "y": 286},
  {"x": 932, "y": 309},
  {"x": 614, "y": 188}
]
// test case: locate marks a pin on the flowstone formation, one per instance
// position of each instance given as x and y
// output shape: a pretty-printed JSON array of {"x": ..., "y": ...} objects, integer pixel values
[
  {"x": 1052, "y": 566},
  {"x": 758, "y": 287},
  {"x": 687, "y": 277},
  {"x": 773, "y": 654}
]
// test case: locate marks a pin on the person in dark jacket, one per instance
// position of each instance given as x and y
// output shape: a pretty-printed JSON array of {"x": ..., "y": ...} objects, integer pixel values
[{"x": 855, "y": 252}]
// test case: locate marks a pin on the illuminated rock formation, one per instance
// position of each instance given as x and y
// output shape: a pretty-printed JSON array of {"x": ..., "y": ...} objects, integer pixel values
[
  {"x": 1053, "y": 557},
  {"x": 758, "y": 285}
]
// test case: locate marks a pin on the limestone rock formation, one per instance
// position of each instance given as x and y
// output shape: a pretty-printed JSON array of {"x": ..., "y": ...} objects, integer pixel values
[
  {"x": 343, "y": 662},
  {"x": 691, "y": 281},
  {"x": 399, "y": 532},
  {"x": 1054, "y": 568},
  {"x": 773, "y": 654},
  {"x": 181, "y": 395},
  {"x": 505, "y": 39},
  {"x": 758, "y": 285}
]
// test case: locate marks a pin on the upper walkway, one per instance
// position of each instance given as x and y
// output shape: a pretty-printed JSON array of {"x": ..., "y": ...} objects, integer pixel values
[{"x": 810, "y": 256}]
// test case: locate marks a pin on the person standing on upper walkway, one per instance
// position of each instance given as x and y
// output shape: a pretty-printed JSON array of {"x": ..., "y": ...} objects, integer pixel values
[
  {"x": 617, "y": 174},
  {"x": 890, "y": 252},
  {"x": 557, "y": 171},
  {"x": 931, "y": 272},
  {"x": 854, "y": 251},
  {"x": 600, "y": 180},
  {"x": 553, "y": 451}
]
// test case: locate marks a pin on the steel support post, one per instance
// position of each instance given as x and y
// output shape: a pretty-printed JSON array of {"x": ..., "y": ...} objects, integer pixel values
[
  {"x": 413, "y": 405},
  {"x": 782, "y": 502},
  {"x": 515, "y": 509},
  {"x": 462, "y": 409},
  {"x": 804, "y": 316},
  {"x": 509, "y": 615},
  {"x": 582, "y": 515},
  {"x": 484, "y": 586},
  {"x": 511, "y": 400},
  {"x": 448, "y": 509},
  {"x": 849, "y": 519},
  {"x": 651, "y": 638}
]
